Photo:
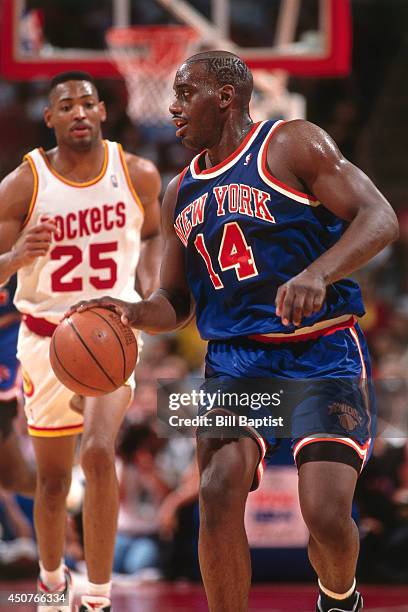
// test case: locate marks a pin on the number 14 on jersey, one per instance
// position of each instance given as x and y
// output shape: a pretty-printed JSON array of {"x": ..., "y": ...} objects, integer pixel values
[{"x": 234, "y": 252}]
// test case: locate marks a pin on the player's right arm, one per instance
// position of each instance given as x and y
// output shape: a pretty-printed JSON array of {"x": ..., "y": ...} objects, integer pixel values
[
  {"x": 16, "y": 192},
  {"x": 170, "y": 306}
]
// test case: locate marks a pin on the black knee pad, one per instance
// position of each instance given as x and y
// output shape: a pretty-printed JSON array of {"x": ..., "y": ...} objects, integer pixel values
[{"x": 329, "y": 451}]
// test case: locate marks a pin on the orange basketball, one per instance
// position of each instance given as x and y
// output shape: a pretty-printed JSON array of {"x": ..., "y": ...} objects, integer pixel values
[{"x": 92, "y": 352}]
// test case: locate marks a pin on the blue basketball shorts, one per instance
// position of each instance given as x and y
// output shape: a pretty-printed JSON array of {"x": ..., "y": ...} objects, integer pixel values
[
  {"x": 317, "y": 392},
  {"x": 9, "y": 365}
]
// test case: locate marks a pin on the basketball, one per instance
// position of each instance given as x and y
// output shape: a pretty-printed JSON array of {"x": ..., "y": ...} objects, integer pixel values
[{"x": 92, "y": 352}]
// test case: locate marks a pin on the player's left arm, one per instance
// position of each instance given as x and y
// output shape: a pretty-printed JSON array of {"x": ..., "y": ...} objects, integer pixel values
[
  {"x": 147, "y": 184},
  {"x": 314, "y": 160}
]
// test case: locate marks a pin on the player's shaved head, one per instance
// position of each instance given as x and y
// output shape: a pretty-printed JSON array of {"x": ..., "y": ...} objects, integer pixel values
[{"x": 227, "y": 69}]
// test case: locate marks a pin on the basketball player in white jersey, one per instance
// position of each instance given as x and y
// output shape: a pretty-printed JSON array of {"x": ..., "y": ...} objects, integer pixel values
[{"x": 75, "y": 222}]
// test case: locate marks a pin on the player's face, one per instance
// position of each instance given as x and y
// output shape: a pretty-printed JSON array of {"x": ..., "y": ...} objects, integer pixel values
[
  {"x": 75, "y": 113},
  {"x": 195, "y": 109}
]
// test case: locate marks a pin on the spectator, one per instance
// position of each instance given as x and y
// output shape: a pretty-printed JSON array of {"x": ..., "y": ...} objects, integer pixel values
[
  {"x": 383, "y": 500},
  {"x": 157, "y": 478},
  {"x": 18, "y": 552}
]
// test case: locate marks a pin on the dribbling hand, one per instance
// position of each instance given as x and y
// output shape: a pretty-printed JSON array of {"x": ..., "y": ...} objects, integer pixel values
[
  {"x": 126, "y": 310},
  {"x": 300, "y": 297}
]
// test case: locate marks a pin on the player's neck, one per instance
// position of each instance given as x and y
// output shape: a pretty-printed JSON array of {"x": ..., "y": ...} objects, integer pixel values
[
  {"x": 234, "y": 132},
  {"x": 77, "y": 166}
]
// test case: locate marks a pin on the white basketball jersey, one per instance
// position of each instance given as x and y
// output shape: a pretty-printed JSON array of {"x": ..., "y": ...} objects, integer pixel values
[{"x": 96, "y": 245}]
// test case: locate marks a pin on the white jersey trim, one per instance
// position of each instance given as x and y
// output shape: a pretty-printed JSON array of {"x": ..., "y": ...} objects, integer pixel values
[
  {"x": 291, "y": 193},
  {"x": 235, "y": 157}
]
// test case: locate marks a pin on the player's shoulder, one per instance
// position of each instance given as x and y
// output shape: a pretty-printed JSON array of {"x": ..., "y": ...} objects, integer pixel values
[
  {"x": 19, "y": 181},
  {"x": 302, "y": 133},
  {"x": 144, "y": 176},
  {"x": 140, "y": 166}
]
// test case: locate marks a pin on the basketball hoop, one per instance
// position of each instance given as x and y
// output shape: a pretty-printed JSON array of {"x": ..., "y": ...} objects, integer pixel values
[{"x": 147, "y": 57}]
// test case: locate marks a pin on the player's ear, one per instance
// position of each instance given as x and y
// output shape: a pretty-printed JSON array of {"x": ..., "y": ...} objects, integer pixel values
[
  {"x": 47, "y": 117},
  {"x": 227, "y": 94},
  {"x": 102, "y": 111}
]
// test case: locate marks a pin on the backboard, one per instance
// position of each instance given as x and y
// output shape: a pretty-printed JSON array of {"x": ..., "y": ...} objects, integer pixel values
[{"x": 40, "y": 38}]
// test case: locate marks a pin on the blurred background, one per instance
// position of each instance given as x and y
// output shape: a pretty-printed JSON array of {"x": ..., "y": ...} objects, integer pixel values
[{"x": 342, "y": 64}]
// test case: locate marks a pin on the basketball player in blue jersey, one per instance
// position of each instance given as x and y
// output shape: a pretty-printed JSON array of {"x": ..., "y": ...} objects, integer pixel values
[
  {"x": 15, "y": 472},
  {"x": 262, "y": 229}
]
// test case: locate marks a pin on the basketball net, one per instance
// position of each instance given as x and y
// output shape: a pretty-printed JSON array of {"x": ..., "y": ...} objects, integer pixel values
[
  {"x": 273, "y": 100},
  {"x": 147, "y": 57}
]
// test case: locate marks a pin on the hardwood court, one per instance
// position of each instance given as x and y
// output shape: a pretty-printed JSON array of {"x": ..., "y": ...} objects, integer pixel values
[{"x": 184, "y": 597}]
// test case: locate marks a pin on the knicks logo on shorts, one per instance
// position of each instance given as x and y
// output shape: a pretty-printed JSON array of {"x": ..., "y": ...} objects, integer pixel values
[
  {"x": 28, "y": 386},
  {"x": 348, "y": 416}
]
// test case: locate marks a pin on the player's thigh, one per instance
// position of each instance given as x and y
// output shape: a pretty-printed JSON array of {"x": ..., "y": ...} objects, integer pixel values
[{"x": 103, "y": 415}]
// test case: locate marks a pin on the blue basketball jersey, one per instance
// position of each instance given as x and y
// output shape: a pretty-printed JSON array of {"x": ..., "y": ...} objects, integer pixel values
[
  {"x": 6, "y": 296},
  {"x": 245, "y": 233}
]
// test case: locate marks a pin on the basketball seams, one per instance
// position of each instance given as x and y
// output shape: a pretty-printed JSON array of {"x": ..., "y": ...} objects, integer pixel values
[
  {"x": 90, "y": 345},
  {"x": 73, "y": 327},
  {"x": 65, "y": 369},
  {"x": 117, "y": 337}
]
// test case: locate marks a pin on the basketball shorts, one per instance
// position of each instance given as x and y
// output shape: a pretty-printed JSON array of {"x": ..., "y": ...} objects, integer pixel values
[
  {"x": 10, "y": 388},
  {"x": 47, "y": 401},
  {"x": 9, "y": 365},
  {"x": 317, "y": 392}
]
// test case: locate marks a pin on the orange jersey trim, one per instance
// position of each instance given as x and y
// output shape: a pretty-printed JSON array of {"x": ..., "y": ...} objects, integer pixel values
[
  {"x": 55, "y": 432},
  {"x": 128, "y": 179},
  {"x": 73, "y": 183},
  {"x": 35, "y": 190}
]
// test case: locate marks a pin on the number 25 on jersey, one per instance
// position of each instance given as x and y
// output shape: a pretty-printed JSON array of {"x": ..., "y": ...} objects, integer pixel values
[{"x": 97, "y": 261}]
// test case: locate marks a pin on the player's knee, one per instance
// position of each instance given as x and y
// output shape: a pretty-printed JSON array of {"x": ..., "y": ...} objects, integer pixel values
[
  {"x": 222, "y": 496},
  {"x": 53, "y": 487},
  {"x": 97, "y": 459},
  {"x": 327, "y": 522}
]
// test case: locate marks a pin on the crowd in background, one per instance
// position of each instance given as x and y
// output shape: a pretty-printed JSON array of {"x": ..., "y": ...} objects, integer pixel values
[{"x": 158, "y": 479}]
